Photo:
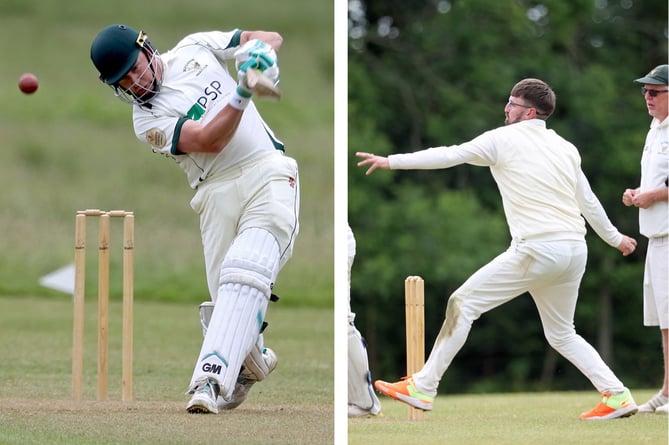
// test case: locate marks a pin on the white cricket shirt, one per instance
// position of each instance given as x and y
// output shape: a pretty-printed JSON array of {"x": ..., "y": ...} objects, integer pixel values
[
  {"x": 538, "y": 173},
  {"x": 197, "y": 85},
  {"x": 654, "y": 221}
]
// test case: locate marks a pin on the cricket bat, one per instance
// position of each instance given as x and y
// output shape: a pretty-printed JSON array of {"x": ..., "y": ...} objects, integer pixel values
[{"x": 261, "y": 85}]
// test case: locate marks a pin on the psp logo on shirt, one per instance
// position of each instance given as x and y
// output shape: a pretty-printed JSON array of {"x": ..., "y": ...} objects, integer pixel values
[{"x": 210, "y": 94}]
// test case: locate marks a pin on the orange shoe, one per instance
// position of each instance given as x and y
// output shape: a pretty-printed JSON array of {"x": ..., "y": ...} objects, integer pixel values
[
  {"x": 405, "y": 391},
  {"x": 612, "y": 406}
]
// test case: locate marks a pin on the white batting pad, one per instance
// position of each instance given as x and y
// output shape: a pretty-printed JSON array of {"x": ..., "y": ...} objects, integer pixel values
[
  {"x": 247, "y": 276},
  {"x": 360, "y": 390},
  {"x": 257, "y": 365},
  {"x": 206, "y": 309},
  {"x": 351, "y": 258}
]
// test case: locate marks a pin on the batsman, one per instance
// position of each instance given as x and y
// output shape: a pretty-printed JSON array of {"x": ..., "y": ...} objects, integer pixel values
[{"x": 188, "y": 107}]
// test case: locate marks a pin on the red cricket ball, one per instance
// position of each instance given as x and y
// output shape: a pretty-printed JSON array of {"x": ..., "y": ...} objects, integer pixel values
[{"x": 28, "y": 83}]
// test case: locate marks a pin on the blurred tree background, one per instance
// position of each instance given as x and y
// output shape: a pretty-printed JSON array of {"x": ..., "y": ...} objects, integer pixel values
[{"x": 438, "y": 72}]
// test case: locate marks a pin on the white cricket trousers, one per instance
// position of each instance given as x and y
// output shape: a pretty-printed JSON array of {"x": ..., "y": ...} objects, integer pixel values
[
  {"x": 551, "y": 272},
  {"x": 656, "y": 283},
  {"x": 262, "y": 193}
]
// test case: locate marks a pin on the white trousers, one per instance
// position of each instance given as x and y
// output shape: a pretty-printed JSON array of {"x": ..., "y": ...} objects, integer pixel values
[
  {"x": 551, "y": 272},
  {"x": 262, "y": 193},
  {"x": 656, "y": 283}
]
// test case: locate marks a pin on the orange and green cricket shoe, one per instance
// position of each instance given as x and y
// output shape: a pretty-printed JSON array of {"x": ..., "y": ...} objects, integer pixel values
[
  {"x": 405, "y": 391},
  {"x": 612, "y": 406}
]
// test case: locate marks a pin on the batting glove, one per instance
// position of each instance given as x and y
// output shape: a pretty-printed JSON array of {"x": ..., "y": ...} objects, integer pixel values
[{"x": 258, "y": 55}]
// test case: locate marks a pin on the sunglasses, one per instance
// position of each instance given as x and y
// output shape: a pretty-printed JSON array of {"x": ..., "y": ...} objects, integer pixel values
[{"x": 651, "y": 93}]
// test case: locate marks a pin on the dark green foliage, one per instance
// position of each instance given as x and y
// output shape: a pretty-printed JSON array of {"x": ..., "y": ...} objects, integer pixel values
[{"x": 430, "y": 73}]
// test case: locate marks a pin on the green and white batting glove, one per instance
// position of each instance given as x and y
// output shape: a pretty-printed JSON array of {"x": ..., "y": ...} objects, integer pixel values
[{"x": 258, "y": 55}]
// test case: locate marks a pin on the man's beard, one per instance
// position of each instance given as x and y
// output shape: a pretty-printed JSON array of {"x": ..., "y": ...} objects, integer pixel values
[{"x": 509, "y": 122}]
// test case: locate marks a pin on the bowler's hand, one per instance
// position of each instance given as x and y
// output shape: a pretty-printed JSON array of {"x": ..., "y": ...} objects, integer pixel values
[
  {"x": 373, "y": 161},
  {"x": 627, "y": 245}
]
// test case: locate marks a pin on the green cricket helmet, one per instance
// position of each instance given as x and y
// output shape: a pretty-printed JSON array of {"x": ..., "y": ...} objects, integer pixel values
[{"x": 114, "y": 52}]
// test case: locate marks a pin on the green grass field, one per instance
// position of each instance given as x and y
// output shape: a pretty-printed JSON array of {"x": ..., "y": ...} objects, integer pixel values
[
  {"x": 293, "y": 406},
  {"x": 508, "y": 419}
]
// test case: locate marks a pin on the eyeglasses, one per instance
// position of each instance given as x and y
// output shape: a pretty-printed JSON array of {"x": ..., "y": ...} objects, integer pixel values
[
  {"x": 651, "y": 93},
  {"x": 513, "y": 104}
]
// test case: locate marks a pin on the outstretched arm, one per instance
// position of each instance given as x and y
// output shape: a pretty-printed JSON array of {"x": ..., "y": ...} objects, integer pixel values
[{"x": 480, "y": 151}]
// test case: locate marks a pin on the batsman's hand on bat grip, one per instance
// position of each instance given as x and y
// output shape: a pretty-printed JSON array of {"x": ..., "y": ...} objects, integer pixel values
[
  {"x": 257, "y": 55},
  {"x": 243, "y": 88},
  {"x": 373, "y": 161}
]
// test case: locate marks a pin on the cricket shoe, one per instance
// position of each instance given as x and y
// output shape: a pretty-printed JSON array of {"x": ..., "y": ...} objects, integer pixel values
[
  {"x": 664, "y": 409},
  {"x": 204, "y": 393},
  {"x": 356, "y": 411},
  {"x": 245, "y": 381},
  {"x": 612, "y": 406},
  {"x": 651, "y": 406},
  {"x": 405, "y": 391}
]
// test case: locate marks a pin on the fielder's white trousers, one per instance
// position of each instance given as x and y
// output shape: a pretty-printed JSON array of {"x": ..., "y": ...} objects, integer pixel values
[
  {"x": 551, "y": 272},
  {"x": 656, "y": 283}
]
